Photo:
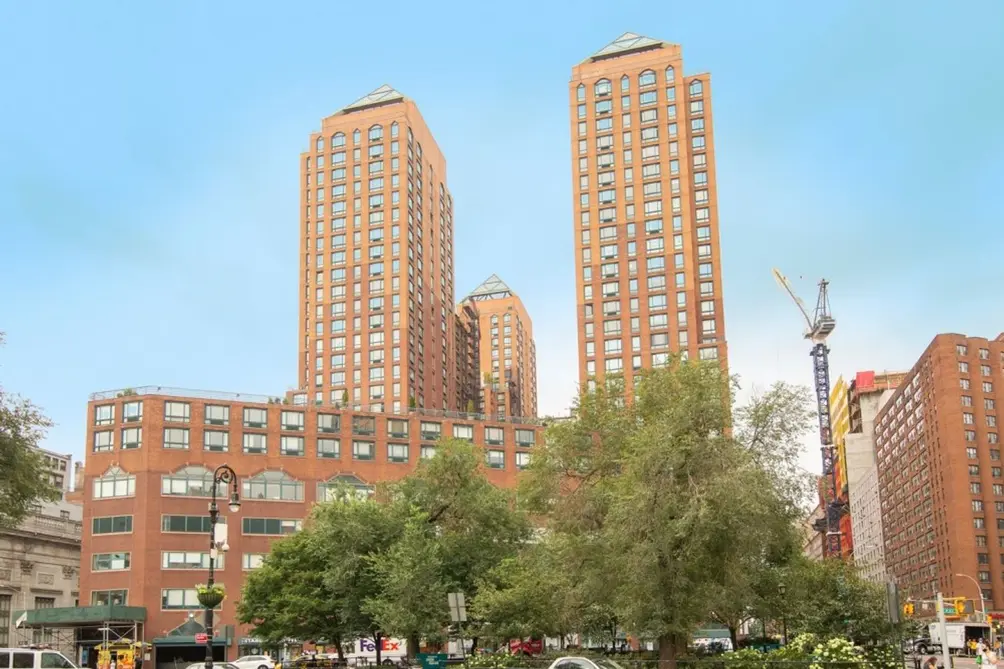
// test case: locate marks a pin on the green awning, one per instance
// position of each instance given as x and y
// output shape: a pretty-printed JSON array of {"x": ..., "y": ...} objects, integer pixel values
[
  {"x": 180, "y": 640},
  {"x": 80, "y": 616}
]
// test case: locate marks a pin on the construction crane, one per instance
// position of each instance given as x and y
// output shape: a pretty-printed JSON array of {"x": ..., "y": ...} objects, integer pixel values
[{"x": 818, "y": 327}]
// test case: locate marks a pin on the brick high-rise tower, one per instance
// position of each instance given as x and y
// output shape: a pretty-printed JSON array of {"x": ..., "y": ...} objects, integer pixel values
[
  {"x": 376, "y": 273},
  {"x": 648, "y": 261}
]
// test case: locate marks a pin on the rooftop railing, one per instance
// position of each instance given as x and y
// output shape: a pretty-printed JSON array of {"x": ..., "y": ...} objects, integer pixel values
[
  {"x": 299, "y": 399},
  {"x": 63, "y": 527}
]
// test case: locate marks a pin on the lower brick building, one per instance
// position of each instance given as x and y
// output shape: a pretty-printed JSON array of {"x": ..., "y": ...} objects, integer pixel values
[
  {"x": 148, "y": 476},
  {"x": 940, "y": 473}
]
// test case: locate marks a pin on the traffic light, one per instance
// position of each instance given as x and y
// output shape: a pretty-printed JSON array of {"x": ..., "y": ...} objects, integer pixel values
[{"x": 908, "y": 610}]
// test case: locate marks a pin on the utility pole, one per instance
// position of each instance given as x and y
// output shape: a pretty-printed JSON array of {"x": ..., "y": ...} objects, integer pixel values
[{"x": 946, "y": 655}]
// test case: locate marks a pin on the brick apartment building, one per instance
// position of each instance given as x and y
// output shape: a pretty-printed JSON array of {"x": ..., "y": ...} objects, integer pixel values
[
  {"x": 941, "y": 477},
  {"x": 507, "y": 354},
  {"x": 151, "y": 454},
  {"x": 648, "y": 262},
  {"x": 376, "y": 269}
]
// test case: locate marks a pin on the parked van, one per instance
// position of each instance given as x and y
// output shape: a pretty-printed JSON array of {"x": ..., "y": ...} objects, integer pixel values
[{"x": 32, "y": 658}]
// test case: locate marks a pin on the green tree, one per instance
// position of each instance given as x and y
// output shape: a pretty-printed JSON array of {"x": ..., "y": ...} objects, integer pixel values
[
  {"x": 767, "y": 428},
  {"x": 315, "y": 584},
  {"x": 24, "y": 479},
  {"x": 410, "y": 600},
  {"x": 476, "y": 524},
  {"x": 828, "y": 598},
  {"x": 459, "y": 523},
  {"x": 286, "y": 598},
  {"x": 657, "y": 490}
]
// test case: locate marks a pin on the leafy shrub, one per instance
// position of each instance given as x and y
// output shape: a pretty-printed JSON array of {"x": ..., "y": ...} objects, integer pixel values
[
  {"x": 745, "y": 658},
  {"x": 836, "y": 651},
  {"x": 883, "y": 657}
]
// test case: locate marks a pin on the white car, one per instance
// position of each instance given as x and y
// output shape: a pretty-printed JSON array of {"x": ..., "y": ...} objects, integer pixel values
[
  {"x": 255, "y": 662},
  {"x": 33, "y": 658},
  {"x": 584, "y": 663}
]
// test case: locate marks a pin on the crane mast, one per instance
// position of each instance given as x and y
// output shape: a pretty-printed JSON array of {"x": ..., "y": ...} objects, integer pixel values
[{"x": 818, "y": 327}]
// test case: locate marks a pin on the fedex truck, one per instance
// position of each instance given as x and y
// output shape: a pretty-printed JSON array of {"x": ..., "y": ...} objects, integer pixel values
[{"x": 392, "y": 651}]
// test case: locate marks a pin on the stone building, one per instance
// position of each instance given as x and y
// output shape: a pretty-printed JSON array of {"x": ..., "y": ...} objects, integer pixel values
[{"x": 40, "y": 569}]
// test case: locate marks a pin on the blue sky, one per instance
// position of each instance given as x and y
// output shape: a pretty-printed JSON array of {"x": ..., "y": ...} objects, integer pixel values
[{"x": 148, "y": 174}]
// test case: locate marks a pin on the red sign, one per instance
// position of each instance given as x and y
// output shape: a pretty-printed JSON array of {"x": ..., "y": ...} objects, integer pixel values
[{"x": 201, "y": 637}]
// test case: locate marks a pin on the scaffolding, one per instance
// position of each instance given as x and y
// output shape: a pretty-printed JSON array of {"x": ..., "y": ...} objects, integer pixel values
[{"x": 77, "y": 631}]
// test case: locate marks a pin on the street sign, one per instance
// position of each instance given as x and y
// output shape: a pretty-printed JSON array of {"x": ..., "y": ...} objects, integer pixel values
[
  {"x": 433, "y": 660},
  {"x": 458, "y": 608},
  {"x": 201, "y": 638}
]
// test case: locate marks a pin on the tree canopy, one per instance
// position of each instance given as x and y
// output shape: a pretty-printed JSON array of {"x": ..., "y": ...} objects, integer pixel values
[
  {"x": 24, "y": 479},
  {"x": 686, "y": 506},
  {"x": 655, "y": 512},
  {"x": 384, "y": 565}
]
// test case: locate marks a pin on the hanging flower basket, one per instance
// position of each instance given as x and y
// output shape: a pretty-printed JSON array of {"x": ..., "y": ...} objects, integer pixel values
[{"x": 210, "y": 597}]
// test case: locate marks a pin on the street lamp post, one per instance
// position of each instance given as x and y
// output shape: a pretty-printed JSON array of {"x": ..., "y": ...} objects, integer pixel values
[
  {"x": 225, "y": 475},
  {"x": 784, "y": 624}
]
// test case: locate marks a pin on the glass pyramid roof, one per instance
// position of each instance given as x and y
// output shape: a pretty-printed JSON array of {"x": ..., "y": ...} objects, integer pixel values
[
  {"x": 380, "y": 96},
  {"x": 492, "y": 288},
  {"x": 625, "y": 44}
]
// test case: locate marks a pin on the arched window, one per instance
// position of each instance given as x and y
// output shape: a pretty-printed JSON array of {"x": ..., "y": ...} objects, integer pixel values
[
  {"x": 670, "y": 74},
  {"x": 355, "y": 136},
  {"x": 320, "y": 143},
  {"x": 602, "y": 87},
  {"x": 646, "y": 78},
  {"x": 376, "y": 133},
  {"x": 273, "y": 487},
  {"x": 580, "y": 92},
  {"x": 191, "y": 481},
  {"x": 114, "y": 483},
  {"x": 393, "y": 130},
  {"x": 340, "y": 485},
  {"x": 337, "y": 140},
  {"x": 625, "y": 83},
  {"x": 696, "y": 88}
]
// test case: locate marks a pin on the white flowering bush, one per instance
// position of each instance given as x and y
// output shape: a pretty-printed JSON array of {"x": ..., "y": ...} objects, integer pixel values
[
  {"x": 746, "y": 658},
  {"x": 834, "y": 651}
]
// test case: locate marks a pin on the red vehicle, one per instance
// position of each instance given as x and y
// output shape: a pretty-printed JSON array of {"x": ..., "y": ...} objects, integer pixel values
[{"x": 528, "y": 647}]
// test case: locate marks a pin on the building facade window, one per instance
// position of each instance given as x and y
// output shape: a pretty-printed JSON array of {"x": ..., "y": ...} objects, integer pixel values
[
  {"x": 255, "y": 444},
  {"x": 114, "y": 483},
  {"x": 111, "y": 525},
  {"x": 192, "y": 481},
  {"x": 217, "y": 441},
  {"x": 177, "y": 412},
  {"x": 109, "y": 597},
  {"x": 291, "y": 445},
  {"x": 110, "y": 561},
  {"x": 188, "y": 524},
  {"x": 132, "y": 411},
  {"x": 198, "y": 560},
  {"x": 343, "y": 484},
  {"x": 362, "y": 450},
  {"x": 217, "y": 414},
  {"x": 329, "y": 448},
  {"x": 271, "y": 526},
  {"x": 176, "y": 438},
  {"x": 273, "y": 487},
  {"x": 132, "y": 437},
  {"x": 104, "y": 441},
  {"x": 251, "y": 561},
  {"x": 104, "y": 414}
]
